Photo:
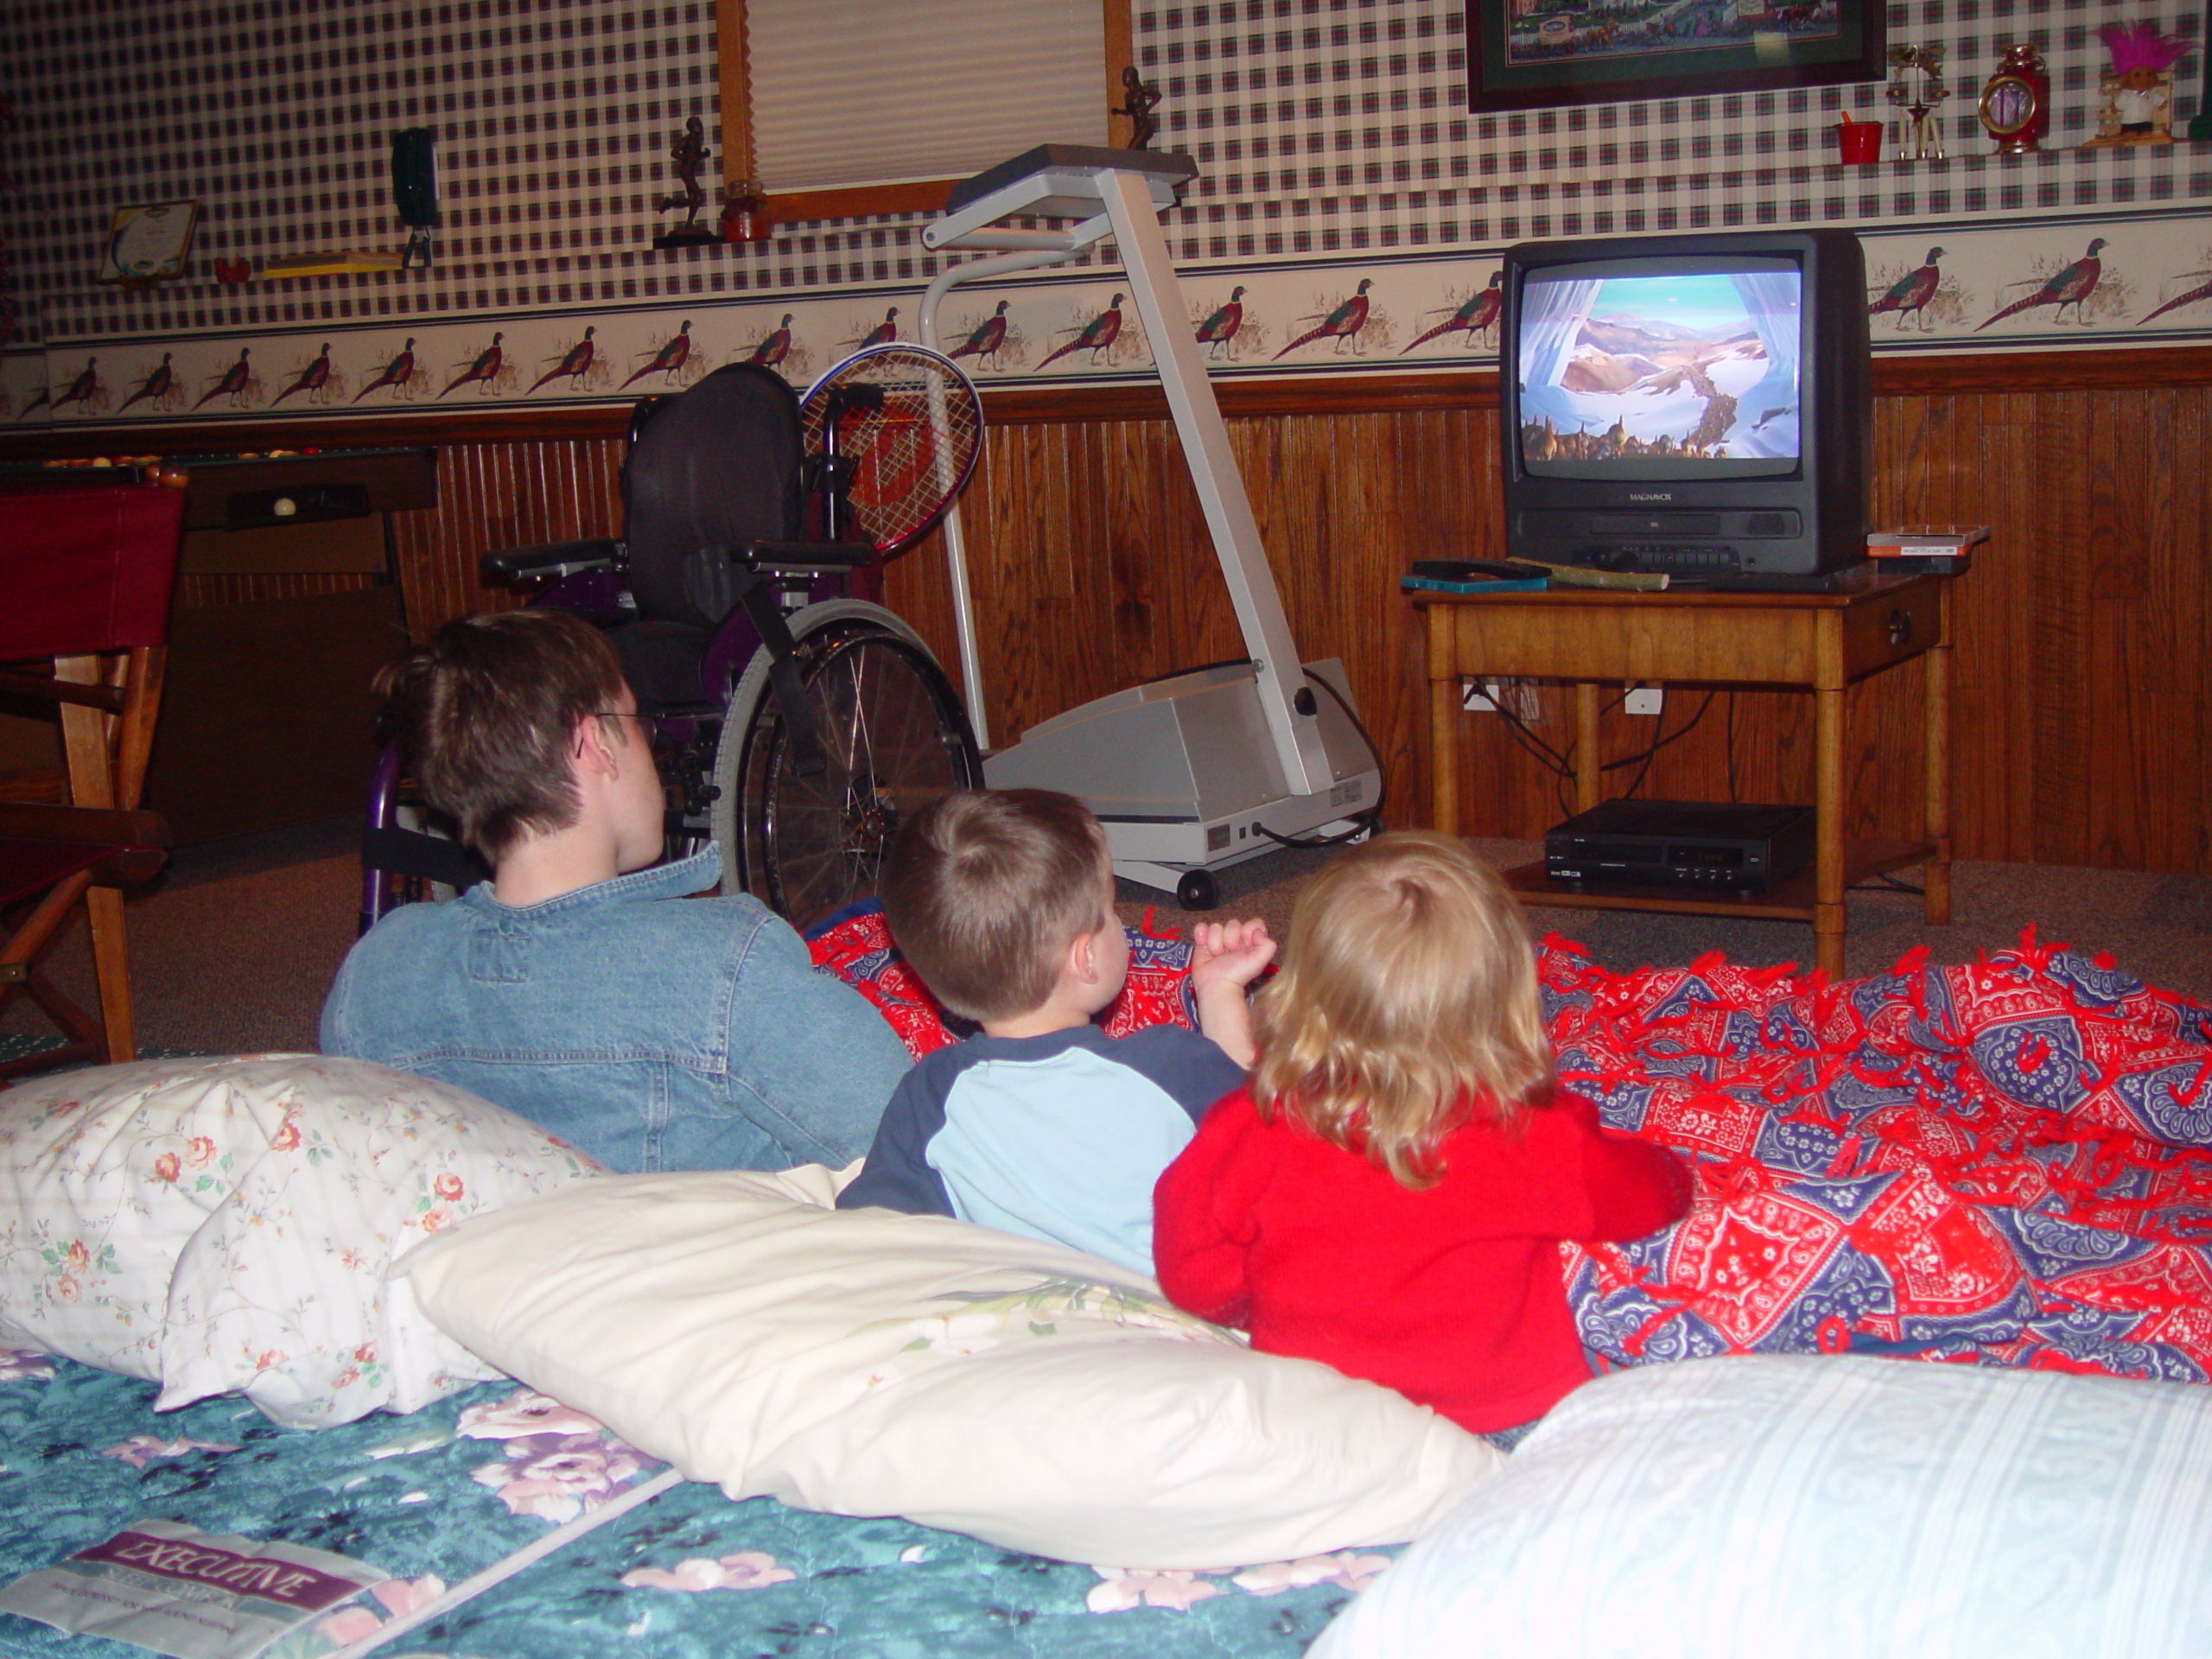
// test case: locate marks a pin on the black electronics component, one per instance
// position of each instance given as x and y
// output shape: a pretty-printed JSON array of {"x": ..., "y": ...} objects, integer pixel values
[
  {"x": 1698, "y": 845},
  {"x": 1692, "y": 405}
]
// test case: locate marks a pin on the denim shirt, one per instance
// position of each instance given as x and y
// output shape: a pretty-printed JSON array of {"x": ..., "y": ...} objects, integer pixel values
[{"x": 649, "y": 1030}]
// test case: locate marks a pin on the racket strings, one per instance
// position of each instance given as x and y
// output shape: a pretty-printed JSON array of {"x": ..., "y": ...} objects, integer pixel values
[{"x": 912, "y": 452}]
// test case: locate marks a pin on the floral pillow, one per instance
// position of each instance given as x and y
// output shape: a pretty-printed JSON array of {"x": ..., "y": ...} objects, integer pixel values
[{"x": 225, "y": 1223}]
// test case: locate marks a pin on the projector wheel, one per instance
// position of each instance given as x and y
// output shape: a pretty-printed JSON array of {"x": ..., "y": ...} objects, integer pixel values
[{"x": 1197, "y": 890}]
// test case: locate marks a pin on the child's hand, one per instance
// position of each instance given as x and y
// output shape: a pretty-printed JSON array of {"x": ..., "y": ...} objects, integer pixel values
[{"x": 1229, "y": 953}]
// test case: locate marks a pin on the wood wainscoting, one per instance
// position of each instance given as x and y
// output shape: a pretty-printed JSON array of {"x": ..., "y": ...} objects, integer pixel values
[{"x": 2082, "y": 689}]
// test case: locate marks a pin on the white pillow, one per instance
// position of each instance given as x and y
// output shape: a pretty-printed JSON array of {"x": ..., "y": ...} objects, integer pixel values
[
  {"x": 1824, "y": 1507},
  {"x": 864, "y": 1363},
  {"x": 225, "y": 1223}
]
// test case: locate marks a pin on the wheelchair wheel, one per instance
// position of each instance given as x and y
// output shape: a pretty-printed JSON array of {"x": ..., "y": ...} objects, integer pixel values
[{"x": 895, "y": 734}]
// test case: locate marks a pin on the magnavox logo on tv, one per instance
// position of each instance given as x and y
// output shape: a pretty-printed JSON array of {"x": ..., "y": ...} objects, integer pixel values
[{"x": 286, "y": 1583}]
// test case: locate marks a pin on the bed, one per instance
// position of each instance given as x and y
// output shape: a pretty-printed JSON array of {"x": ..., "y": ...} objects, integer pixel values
[{"x": 1999, "y": 1168}]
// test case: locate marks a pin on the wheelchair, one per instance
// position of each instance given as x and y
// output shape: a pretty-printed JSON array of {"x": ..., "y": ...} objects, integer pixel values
[{"x": 795, "y": 721}]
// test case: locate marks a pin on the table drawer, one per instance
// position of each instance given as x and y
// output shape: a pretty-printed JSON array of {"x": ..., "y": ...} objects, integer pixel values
[{"x": 1896, "y": 626}]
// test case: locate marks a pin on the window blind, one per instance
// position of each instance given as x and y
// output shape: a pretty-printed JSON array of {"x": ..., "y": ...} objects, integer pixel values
[{"x": 862, "y": 91}]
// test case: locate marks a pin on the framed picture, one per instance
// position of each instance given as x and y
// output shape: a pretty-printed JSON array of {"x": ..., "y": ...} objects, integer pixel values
[
  {"x": 1529, "y": 54},
  {"x": 149, "y": 244}
]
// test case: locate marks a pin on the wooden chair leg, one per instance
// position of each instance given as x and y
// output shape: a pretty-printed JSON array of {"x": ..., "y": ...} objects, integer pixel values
[
  {"x": 107, "y": 757},
  {"x": 111, "y": 969}
]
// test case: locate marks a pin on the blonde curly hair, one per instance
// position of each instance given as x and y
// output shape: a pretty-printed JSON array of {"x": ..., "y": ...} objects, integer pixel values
[{"x": 1406, "y": 1001}]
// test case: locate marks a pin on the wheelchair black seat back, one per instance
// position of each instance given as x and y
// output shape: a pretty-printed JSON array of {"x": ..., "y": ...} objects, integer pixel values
[
  {"x": 797, "y": 721},
  {"x": 718, "y": 465}
]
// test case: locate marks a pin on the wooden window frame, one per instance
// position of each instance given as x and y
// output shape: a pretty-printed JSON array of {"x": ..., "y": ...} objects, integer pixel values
[{"x": 866, "y": 201}]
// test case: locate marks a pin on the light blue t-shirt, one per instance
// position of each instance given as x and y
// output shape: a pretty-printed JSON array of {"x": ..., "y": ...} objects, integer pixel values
[{"x": 1059, "y": 1137}]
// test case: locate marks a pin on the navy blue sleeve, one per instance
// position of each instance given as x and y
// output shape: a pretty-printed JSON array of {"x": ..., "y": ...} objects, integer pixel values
[
  {"x": 897, "y": 1175},
  {"x": 1191, "y": 1067}
]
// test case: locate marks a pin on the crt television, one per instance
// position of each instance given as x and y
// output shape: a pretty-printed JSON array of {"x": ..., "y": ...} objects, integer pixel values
[{"x": 1691, "y": 405}]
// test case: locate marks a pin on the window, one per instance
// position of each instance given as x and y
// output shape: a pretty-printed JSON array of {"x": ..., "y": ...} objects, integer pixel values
[{"x": 847, "y": 107}]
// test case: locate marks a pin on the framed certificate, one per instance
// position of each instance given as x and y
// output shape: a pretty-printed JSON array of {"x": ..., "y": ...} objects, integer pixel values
[{"x": 149, "y": 244}]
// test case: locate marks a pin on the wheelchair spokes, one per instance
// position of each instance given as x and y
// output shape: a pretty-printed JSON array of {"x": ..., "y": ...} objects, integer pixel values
[{"x": 895, "y": 736}]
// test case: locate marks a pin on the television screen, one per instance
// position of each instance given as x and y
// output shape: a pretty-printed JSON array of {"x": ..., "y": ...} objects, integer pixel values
[{"x": 1663, "y": 368}]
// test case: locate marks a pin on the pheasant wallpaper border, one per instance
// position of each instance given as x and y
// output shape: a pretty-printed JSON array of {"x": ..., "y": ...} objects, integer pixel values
[{"x": 2117, "y": 281}]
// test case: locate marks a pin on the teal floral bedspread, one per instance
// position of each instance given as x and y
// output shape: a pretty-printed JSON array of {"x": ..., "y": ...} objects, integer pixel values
[{"x": 438, "y": 1496}]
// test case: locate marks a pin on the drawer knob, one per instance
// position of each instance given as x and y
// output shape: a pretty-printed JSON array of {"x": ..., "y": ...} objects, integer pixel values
[{"x": 1900, "y": 626}]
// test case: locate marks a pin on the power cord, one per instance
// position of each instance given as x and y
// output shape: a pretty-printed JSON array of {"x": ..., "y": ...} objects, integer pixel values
[
  {"x": 1364, "y": 823},
  {"x": 1730, "y": 740},
  {"x": 1885, "y": 882},
  {"x": 1560, "y": 763},
  {"x": 1658, "y": 744}
]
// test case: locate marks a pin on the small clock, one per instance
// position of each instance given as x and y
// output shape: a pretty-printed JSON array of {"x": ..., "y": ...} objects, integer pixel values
[{"x": 2015, "y": 107}]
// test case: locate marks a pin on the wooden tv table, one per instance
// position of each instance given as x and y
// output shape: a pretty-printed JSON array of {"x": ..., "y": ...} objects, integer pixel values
[{"x": 1823, "y": 642}]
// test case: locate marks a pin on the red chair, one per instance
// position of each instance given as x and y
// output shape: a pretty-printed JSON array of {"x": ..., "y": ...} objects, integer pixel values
[{"x": 87, "y": 572}]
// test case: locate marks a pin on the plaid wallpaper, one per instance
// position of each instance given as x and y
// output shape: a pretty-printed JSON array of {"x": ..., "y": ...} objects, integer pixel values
[{"x": 1329, "y": 131}]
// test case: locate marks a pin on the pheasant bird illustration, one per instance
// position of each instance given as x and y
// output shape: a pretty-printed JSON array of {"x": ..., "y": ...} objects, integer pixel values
[
  {"x": 394, "y": 373},
  {"x": 480, "y": 369},
  {"x": 985, "y": 339},
  {"x": 39, "y": 399},
  {"x": 1340, "y": 324},
  {"x": 231, "y": 381},
  {"x": 2069, "y": 287},
  {"x": 1095, "y": 335},
  {"x": 153, "y": 385},
  {"x": 574, "y": 363},
  {"x": 1912, "y": 292},
  {"x": 81, "y": 389},
  {"x": 1219, "y": 332},
  {"x": 884, "y": 333},
  {"x": 313, "y": 377},
  {"x": 672, "y": 355},
  {"x": 1477, "y": 314},
  {"x": 2203, "y": 290},
  {"x": 775, "y": 346}
]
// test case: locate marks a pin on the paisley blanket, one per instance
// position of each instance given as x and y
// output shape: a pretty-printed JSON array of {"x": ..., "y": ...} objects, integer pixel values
[{"x": 2005, "y": 1163}]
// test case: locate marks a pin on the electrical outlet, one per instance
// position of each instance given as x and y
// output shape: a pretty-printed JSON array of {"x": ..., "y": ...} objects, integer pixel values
[
  {"x": 1644, "y": 700},
  {"x": 1479, "y": 696}
]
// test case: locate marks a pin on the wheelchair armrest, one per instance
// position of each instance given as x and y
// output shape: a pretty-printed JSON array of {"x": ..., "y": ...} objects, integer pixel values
[
  {"x": 553, "y": 559},
  {"x": 804, "y": 556}
]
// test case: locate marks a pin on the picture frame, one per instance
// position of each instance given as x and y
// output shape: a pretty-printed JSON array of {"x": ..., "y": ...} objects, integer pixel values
[
  {"x": 1528, "y": 54},
  {"x": 149, "y": 243}
]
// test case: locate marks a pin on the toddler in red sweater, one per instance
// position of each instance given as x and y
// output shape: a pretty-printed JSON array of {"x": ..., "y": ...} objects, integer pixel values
[{"x": 1388, "y": 1193}]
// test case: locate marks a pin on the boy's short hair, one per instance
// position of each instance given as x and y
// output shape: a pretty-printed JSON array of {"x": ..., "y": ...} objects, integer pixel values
[
  {"x": 486, "y": 709},
  {"x": 985, "y": 889}
]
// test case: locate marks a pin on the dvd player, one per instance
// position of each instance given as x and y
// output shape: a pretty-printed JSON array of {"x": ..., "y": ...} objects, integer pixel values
[{"x": 1682, "y": 845}]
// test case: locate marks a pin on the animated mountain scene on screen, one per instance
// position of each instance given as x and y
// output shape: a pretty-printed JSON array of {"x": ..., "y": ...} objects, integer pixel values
[{"x": 1678, "y": 368}]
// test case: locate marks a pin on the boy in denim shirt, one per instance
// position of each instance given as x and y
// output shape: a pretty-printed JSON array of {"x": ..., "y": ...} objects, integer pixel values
[
  {"x": 1003, "y": 902},
  {"x": 578, "y": 988}
]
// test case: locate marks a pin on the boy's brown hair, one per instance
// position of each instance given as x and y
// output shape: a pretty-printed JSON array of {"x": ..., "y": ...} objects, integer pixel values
[
  {"x": 985, "y": 889},
  {"x": 486, "y": 710},
  {"x": 1407, "y": 1003}
]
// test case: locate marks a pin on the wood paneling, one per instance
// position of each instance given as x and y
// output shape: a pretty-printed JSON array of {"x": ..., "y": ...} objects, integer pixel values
[{"x": 2080, "y": 695}]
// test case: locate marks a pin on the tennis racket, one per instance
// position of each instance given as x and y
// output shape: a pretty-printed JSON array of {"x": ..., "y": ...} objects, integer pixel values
[{"x": 898, "y": 428}]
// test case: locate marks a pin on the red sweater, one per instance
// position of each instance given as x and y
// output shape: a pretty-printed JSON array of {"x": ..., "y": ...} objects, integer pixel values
[{"x": 1454, "y": 1295}]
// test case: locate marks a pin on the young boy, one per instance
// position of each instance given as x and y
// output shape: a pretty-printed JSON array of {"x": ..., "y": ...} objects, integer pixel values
[
  {"x": 650, "y": 1030},
  {"x": 1003, "y": 902}
]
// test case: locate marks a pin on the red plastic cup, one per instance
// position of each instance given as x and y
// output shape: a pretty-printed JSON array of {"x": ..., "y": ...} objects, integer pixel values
[{"x": 1860, "y": 142}]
